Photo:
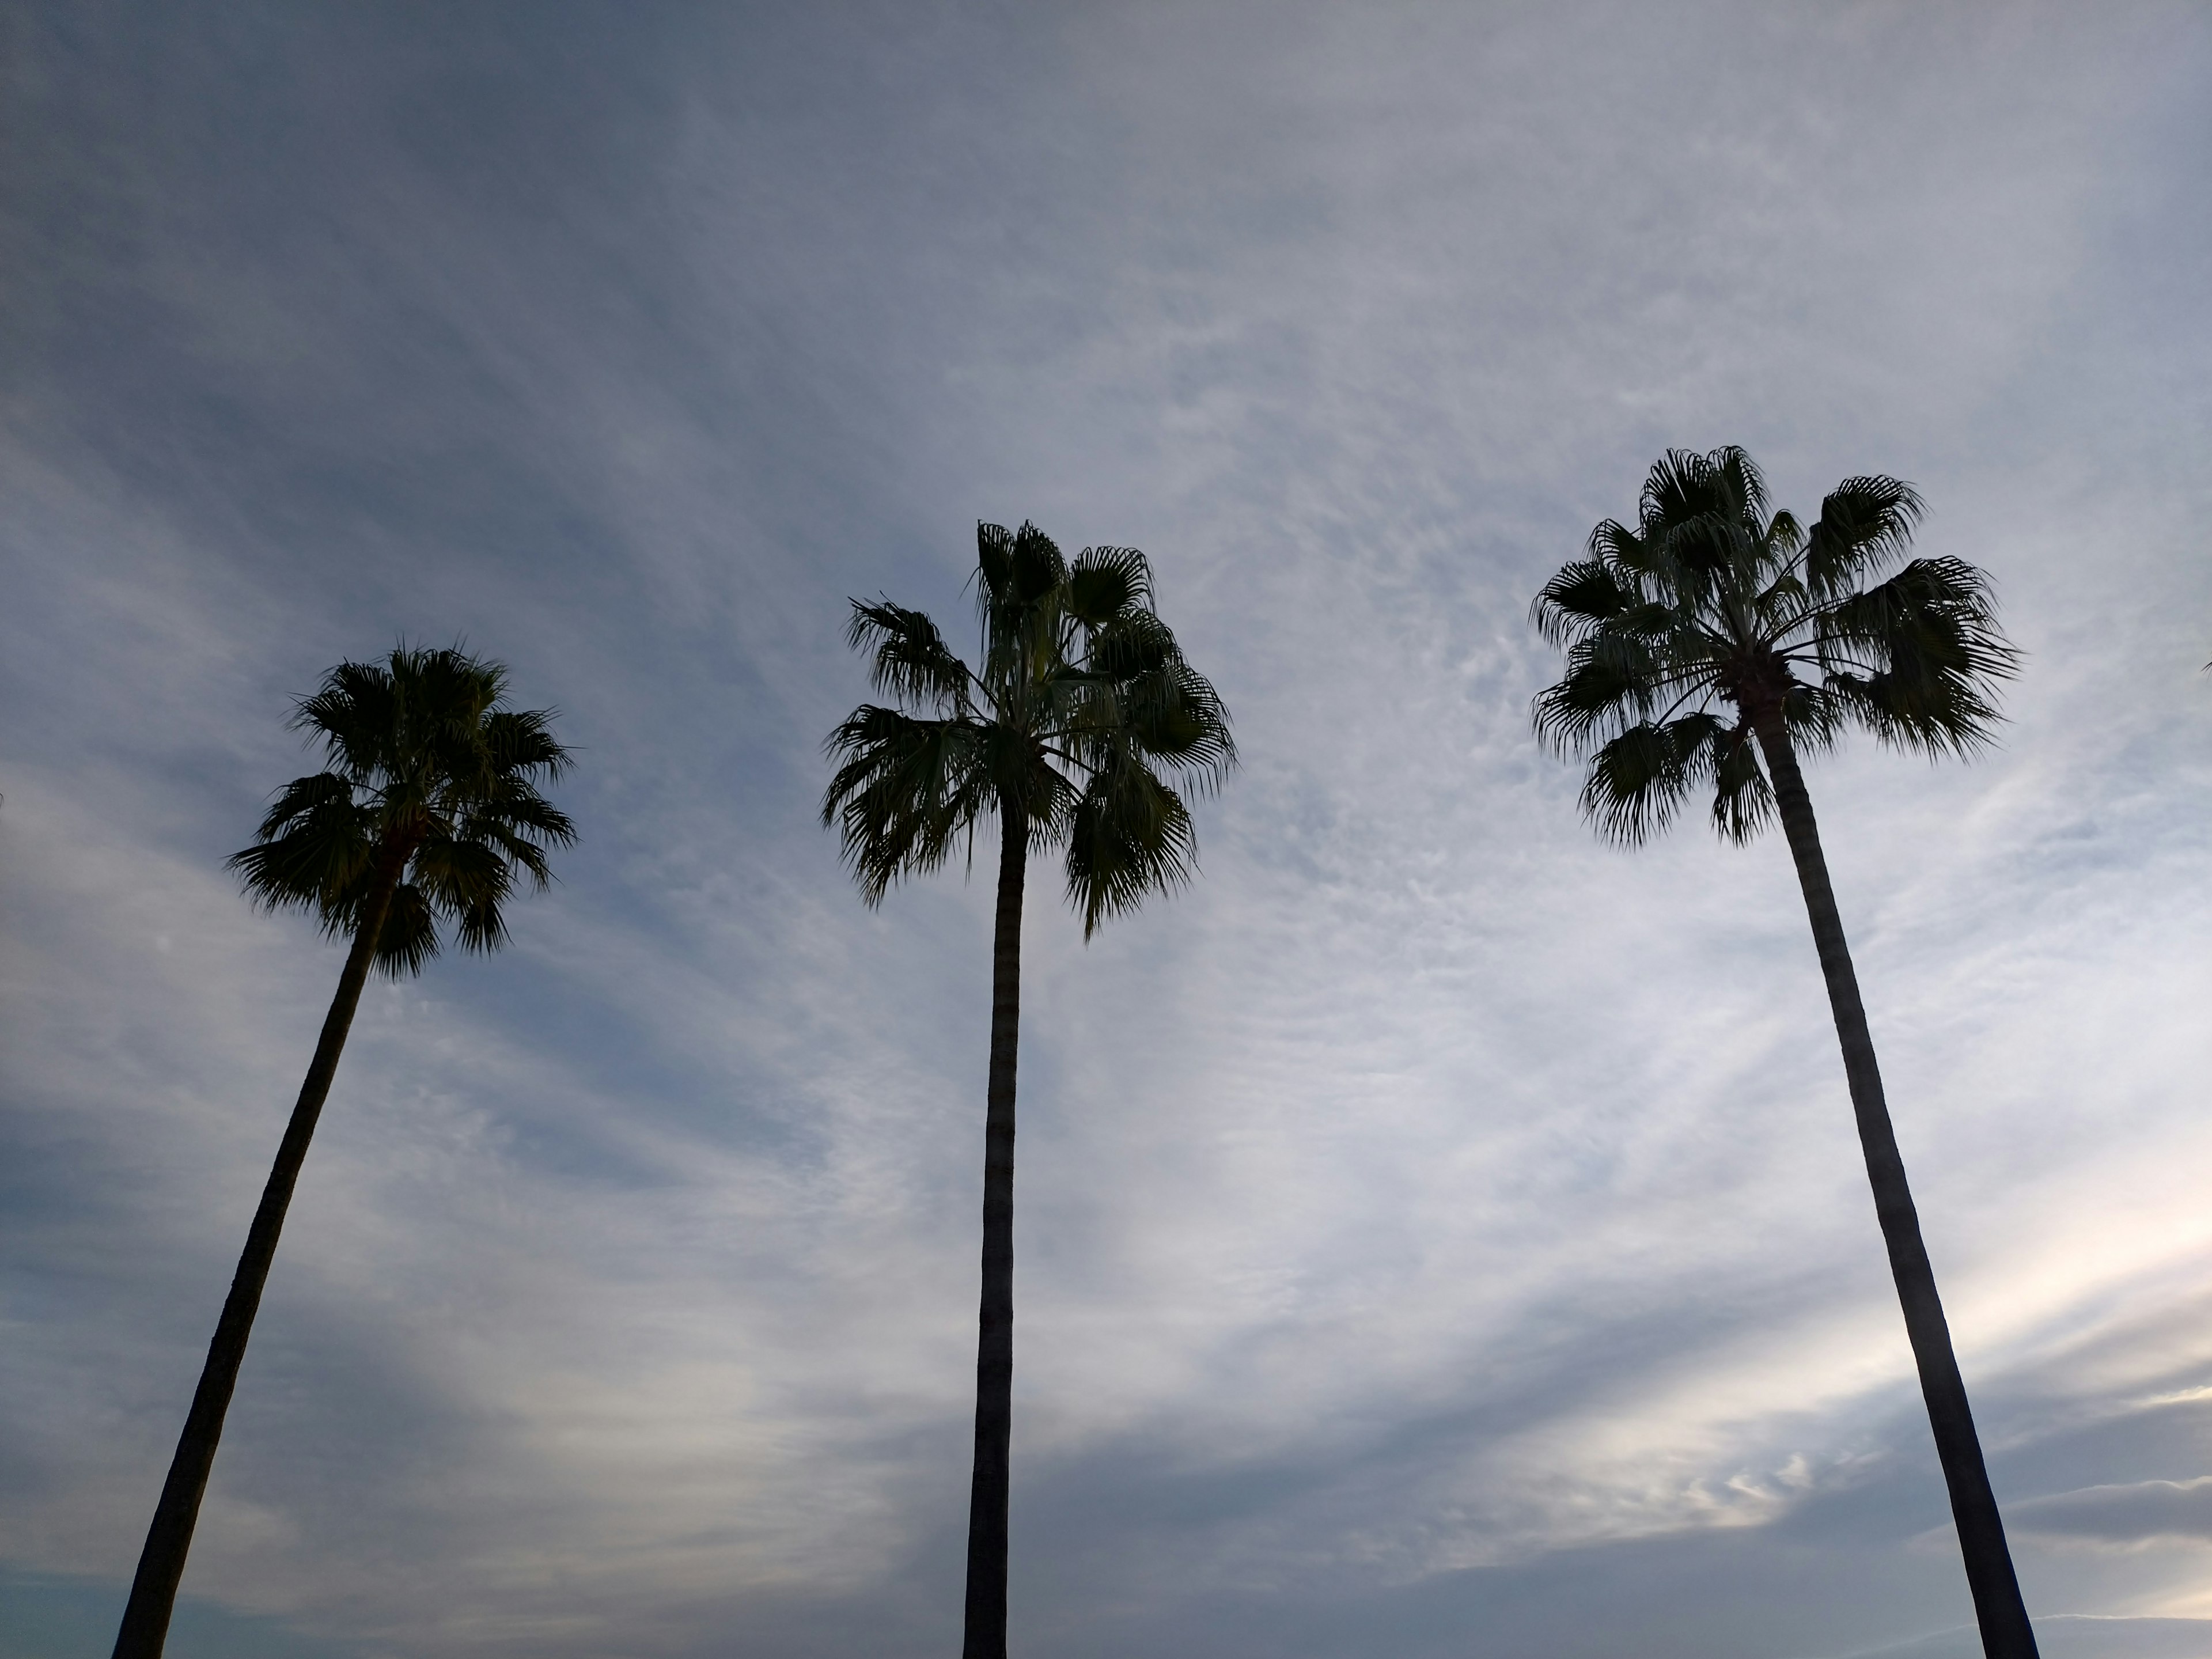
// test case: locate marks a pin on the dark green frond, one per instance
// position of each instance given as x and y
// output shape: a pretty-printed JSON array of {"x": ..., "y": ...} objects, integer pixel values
[
  {"x": 481, "y": 927},
  {"x": 1813, "y": 717},
  {"x": 1865, "y": 524},
  {"x": 1612, "y": 682},
  {"x": 1639, "y": 780},
  {"x": 456, "y": 874},
  {"x": 1698, "y": 510},
  {"x": 1104, "y": 582},
  {"x": 1021, "y": 593},
  {"x": 910, "y": 660},
  {"x": 354, "y": 715},
  {"x": 1174, "y": 717},
  {"x": 1130, "y": 834},
  {"x": 304, "y": 799},
  {"x": 1743, "y": 800},
  {"x": 316, "y": 842},
  {"x": 515, "y": 851},
  {"x": 1918, "y": 658},
  {"x": 514, "y": 807},
  {"x": 1652, "y": 625},
  {"x": 1621, "y": 551},
  {"x": 1022, "y": 775},
  {"x": 519, "y": 741},
  {"x": 904, "y": 792},
  {"x": 1123, "y": 648},
  {"x": 409, "y": 938},
  {"x": 1584, "y": 593},
  {"x": 1017, "y": 568},
  {"x": 995, "y": 559},
  {"x": 1038, "y": 568}
]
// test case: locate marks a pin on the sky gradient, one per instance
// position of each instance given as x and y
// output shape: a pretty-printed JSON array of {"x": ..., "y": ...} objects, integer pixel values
[{"x": 1437, "y": 1233}]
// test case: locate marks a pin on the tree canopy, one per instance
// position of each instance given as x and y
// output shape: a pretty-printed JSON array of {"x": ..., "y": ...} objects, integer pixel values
[
  {"x": 431, "y": 783},
  {"x": 1082, "y": 719},
  {"x": 1712, "y": 615}
]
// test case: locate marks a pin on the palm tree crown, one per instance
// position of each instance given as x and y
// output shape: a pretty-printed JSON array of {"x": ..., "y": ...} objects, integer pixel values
[
  {"x": 1083, "y": 701},
  {"x": 1710, "y": 601},
  {"x": 432, "y": 786}
]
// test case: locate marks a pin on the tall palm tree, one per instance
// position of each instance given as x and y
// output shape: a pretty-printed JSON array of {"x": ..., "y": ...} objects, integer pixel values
[
  {"x": 1082, "y": 703},
  {"x": 1709, "y": 646},
  {"x": 428, "y": 812}
]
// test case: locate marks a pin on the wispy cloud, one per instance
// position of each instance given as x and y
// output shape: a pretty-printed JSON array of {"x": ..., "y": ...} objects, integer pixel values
[{"x": 1434, "y": 1222}]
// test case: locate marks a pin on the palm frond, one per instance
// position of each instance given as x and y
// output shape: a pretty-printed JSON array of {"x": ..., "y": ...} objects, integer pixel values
[
  {"x": 515, "y": 807},
  {"x": 1130, "y": 834},
  {"x": 1611, "y": 683},
  {"x": 454, "y": 873},
  {"x": 904, "y": 792},
  {"x": 1931, "y": 629},
  {"x": 1785, "y": 536},
  {"x": 1128, "y": 645},
  {"x": 1017, "y": 568},
  {"x": 1174, "y": 717},
  {"x": 1020, "y": 595},
  {"x": 314, "y": 843},
  {"x": 1104, "y": 582},
  {"x": 1639, "y": 780},
  {"x": 303, "y": 799},
  {"x": 910, "y": 660},
  {"x": 1584, "y": 593},
  {"x": 1038, "y": 566},
  {"x": 354, "y": 715},
  {"x": 481, "y": 927},
  {"x": 1697, "y": 511},
  {"x": 409, "y": 939},
  {"x": 1743, "y": 800},
  {"x": 1865, "y": 524},
  {"x": 518, "y": 741},
  {"x": 995, "y": 561},
  {"x": 1023, "y": 779},
  {"x": 515, "y": 851}
]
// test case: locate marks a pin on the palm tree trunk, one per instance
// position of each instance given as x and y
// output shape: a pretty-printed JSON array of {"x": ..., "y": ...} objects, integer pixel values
[
  {"x": 161, "y": 1563},
  {"x": 1998, "y": 1609},
  {"x": 985, "y": 1634}
]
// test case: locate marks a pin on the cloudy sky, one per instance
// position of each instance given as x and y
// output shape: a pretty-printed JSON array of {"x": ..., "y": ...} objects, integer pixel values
[{"x": 1439, "y": 1234}]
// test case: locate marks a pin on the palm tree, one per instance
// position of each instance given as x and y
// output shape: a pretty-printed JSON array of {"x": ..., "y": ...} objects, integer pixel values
[
  {"x": 1083, "y": 701},
  {"x": 428, "y": 812},
  {"x": 1712, "y": 638}
]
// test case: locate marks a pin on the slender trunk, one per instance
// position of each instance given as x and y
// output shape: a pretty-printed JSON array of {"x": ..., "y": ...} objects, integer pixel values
[
  {"x": 986, "y": 1637},
  {"x": 2003, "y": 1616},
  {"x": 161, "y": 1565}
]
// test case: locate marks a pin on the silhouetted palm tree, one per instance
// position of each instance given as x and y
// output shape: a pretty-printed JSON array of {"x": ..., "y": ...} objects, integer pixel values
[
  {"x": 1712, "y": 637},
  {"x": 427, "y": 813},
  {"x": 1081, "y": 700}
]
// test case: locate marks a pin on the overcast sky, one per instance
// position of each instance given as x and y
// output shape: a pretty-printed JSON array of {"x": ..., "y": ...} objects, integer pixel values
[{"x": 1439, "y": 1234}]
